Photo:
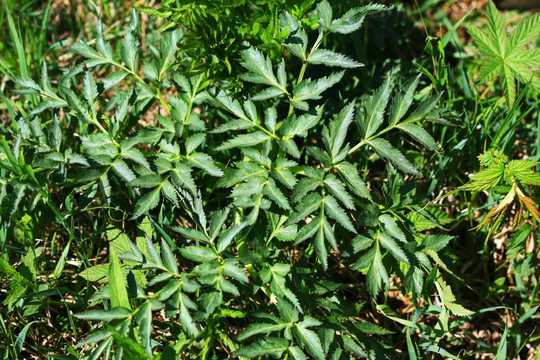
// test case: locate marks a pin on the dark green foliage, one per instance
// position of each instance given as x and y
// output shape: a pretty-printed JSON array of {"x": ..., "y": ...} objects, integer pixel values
[{"x": 222, "y": 193}]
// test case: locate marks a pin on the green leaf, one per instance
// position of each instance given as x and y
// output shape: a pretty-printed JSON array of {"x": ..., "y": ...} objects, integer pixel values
[
  {"x": 310, "y": 204},
  {"x": 324, "y": 11},
  {"x": 198, "y": 254},
  {"x": 261, "y": 328},
  {"x": 312, "y": 89},
  {"x": 270, "y": 346},
  {"x": 260, "y": 69},
  {"x": 353, "y": 18},
  {"x": 299, "y": 126},
  {"x": 392, "y": 228},
  {"x": 244, "y": 140},
  {"x": 337, "y": 213},
  {"x": 374, "y": 106},
  {"x": 335, "y": 136},
  {"x": 402, "y": 101},
  {"x": 276, "y": 195},
  {"x": 117, "y": 282},
  {"x": 205, "y": 162},
  {"x": 334, "y": 185},
  {"x": 330, "y": 58},
  {"x": 279, "y": 288},
  {"x": 297, "y": 353},
  {"x": 349, "y": 174},
  {"x": 95, "y": 273},
  {"x": 136, "y": 156},
  {"x": 390, "y": 244},
  {"x": 144, "y": 319},
  {"x": 117, "y": 313},
  {"x": 89, "y": 89},
  {"x": 210, "y": 301},
  {"x": 123, "y": 170},
  {"x": 387, "y": 151},
  {"x": 309, "y": 340},
  {"x": 377, "y": 275},
  {"x": 169, "y": 260},
  {"x": 129, "y": 51},
  {"x": 147, "y": 202},
  {"x": 420, "y": 135},
  {"x": 228, "y": 235}
]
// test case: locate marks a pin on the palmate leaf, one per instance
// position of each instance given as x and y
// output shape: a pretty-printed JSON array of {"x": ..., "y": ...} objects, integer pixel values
[
  {"x": 523, "y": 171},
  {"x": 506, "y": 55}
]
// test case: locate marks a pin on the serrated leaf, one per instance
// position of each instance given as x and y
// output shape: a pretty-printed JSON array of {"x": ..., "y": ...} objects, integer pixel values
[
  {"x": 205, "y": 162},
  {"x": 299, "y": 125},
  {"x": 420, "y": 135},
  {"x": 95, "y": 273},
  {"x": 312, "y": 89},
  {"x": 275, "y": 194},
  {"x": 334, "y": 185},
  {"x": 89, "y": 89},
  {"x": 198, "y": 253},
  {"x": 337, "y": 213},
  {"x": 309, "y": 340},
  {"x": 228, "y": 235},
  {"x": 309, "y": 205},
  {"x": 278, "y": 287},
  {"x": 374, "y": 107},
  {"x": 144, "y": 320},
  {"x": 231, "y": 269},
  {"x": 402, "y": 101},
  {"x": 169, "y": 260},
  {"x": 260, "y": 69},
  {"x": 349, "y": 174},
  {"x": 129, "y": 51},
  {"x": 136, "y": 156},
  {"x": 392, "y": 228},
  {"x": 377, "y": 277},
  {"x": 387, "y": 151},
  {"x": 210, "y": 301},
  {"x": 330, "y": 58},
  {"x": 113, "y": 79},
  {"x": 244, "y": 140},
  {"x": 269, "y": 346},
  {"x": 147, "y": 202},
  {"x": 391, "y": 245},
  {"x": 261, "y": 328},
  {"x": 123, "y": 170}
]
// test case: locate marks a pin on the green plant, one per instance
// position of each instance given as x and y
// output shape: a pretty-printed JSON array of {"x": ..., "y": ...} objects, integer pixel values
[
  {"x": 219, "y": 190},
  {"x": 507, "y": 58}
]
